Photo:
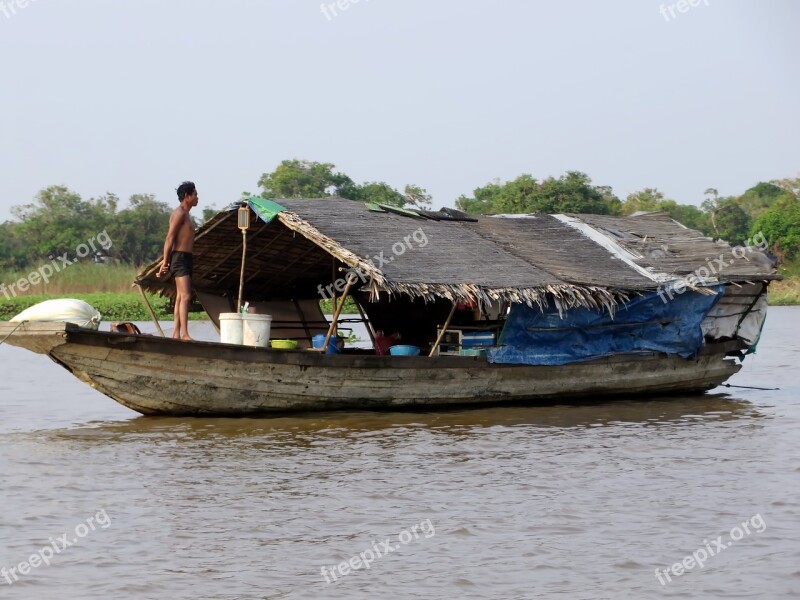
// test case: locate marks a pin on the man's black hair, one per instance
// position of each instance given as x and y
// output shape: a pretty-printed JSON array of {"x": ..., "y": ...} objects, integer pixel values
[{"x": 187, "y": 188}]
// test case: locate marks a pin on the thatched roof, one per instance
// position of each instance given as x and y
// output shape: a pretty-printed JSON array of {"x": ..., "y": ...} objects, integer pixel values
[
  {"x": 662, "y": 245},
  {"x": 576, "y": 260}
]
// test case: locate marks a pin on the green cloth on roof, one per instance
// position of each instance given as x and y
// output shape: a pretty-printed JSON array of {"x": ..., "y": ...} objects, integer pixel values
[
  {"x": 399, "y": 210},
  {"x": 266, "y": 209}
]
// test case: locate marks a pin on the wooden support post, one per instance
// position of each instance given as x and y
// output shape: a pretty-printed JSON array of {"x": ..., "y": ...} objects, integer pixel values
[
  {"x": 444, "y": 329},
  {"x": 351, "y": 278},
  {"x": 150, "y": 310}
]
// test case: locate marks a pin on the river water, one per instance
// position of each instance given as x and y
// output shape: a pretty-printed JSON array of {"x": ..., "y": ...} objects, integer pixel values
[{"x": 559, "y": 501}]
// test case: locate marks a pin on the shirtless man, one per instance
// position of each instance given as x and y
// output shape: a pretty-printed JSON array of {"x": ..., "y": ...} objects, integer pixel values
[{"x": 178, "y": 257}]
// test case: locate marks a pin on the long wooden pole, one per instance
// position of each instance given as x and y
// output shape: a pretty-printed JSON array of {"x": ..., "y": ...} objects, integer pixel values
[
  {"x": 150, "y": 310},
  {"x": 241, "y": 277},
  {"x": 444, "y": 329},
  {"x": 351, "y": 278}
]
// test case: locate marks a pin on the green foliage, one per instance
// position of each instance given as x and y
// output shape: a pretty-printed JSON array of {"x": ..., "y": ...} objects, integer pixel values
[
  {"x": 138, "y": 232},
  {"x": 210, "y": 211},
  {"x": 728, "y": 219},
  {"x": 310, "y": 179},
  {"x": 12, "y": 249},
  {"x": 732, "y": 222},
  {"x": 59, "y": 221},
  {"x": 651, "y": 200},
  {"x": 349, "y": 308},
  {"x": 417, "y": 195},
  {"x": 781, "y": 226},
  {"x": 306, "y": 179},
  {"x": 647, "y": 200},
  {"x": 484, "y": 199},
  {"x": 686, "y": 214},
  {"x": 761, "y": 197},
  {"x": 380, "y": 193},
  {"x": 570, "y": 193}
]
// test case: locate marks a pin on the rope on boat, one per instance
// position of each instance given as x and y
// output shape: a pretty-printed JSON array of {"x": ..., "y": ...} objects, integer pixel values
[
  {"x": 749, "y": 387},
  {"x": 13, "y": 331}
]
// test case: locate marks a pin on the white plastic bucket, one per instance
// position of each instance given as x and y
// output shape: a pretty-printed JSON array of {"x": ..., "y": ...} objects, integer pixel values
[
  {"x": 230, "y": 328},
  {"x": 255, "y": 330}
]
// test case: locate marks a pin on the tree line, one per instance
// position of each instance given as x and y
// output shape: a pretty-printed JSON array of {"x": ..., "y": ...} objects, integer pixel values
[
  {"x": 772, "y": 208},
  {"x": 59, "y": 220}
]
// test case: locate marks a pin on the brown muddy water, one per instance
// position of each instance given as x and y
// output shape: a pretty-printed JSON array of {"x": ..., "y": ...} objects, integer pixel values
[{"x": 541, "y": 502}]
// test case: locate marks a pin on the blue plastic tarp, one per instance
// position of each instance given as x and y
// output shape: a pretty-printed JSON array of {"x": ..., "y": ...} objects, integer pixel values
[{"x": 645, "y": 324}]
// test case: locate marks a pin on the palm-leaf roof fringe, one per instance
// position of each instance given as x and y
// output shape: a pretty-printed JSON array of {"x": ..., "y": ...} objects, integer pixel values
[{"x": 570, "y": 261}]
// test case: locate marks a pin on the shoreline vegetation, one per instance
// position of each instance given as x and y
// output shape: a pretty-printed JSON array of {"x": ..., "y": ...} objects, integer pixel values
[
  {"x": 110, "y": 290},
  {"x": 63, "y": 245}
]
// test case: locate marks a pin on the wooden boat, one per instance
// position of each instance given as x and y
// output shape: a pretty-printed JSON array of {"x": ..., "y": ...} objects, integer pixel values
[
  {"x": 162, "y": 376},
  {"x": 576, "y": 306}
]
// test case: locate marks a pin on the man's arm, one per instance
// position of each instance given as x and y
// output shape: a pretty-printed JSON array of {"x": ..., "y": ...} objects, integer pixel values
[{"x": 174, "y": 226}]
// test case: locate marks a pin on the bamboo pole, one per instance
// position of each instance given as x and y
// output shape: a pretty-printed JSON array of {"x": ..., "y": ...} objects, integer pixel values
[
  {"x": 241, "y": 277},
  {"x": 333, "y": 280},
  {"x": 444, "y": 329},
  {"x": 364, "y": 319},
  {"x": 351, "y": 278},
  {"x": 150, "y": 310}
]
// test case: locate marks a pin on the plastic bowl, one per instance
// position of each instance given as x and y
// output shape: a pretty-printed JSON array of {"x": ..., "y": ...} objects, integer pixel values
[
  {"x": 284, "y": 344},
  {"x": 403, "y": 350}
]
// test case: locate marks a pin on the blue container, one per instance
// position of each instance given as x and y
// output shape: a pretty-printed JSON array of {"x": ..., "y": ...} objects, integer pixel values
[
  {"x": 478, "y": 339},
  {"x": 404, "y": 350},
  {"x": 319, "y": 339}
]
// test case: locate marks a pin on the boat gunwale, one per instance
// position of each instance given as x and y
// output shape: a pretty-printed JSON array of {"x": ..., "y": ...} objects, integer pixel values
[{"x": 67, "y": 333}]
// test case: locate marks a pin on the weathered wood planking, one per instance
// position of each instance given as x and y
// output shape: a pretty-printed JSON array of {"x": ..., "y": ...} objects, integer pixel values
[{"x": 158, "y": 376}]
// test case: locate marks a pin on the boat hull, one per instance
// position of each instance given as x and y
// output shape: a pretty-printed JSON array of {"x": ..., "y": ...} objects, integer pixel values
[{"x": 161, "y": 376}]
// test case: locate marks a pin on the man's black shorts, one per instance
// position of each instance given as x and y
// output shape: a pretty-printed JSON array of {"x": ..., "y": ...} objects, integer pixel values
[{"x": 180, "y": 264}]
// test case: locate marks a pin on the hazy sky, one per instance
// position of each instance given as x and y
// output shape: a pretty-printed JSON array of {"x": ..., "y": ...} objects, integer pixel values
[{"x": 134, "y": 96}]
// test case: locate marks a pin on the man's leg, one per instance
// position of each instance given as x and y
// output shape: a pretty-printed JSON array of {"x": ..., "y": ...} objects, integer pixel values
[
  {"x": 184, "y": 287},
  {"x": 176, "y": 315}
]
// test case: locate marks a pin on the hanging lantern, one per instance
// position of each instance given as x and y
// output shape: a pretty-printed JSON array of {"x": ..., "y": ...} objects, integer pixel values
[{"x": 244, "y": 217}]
